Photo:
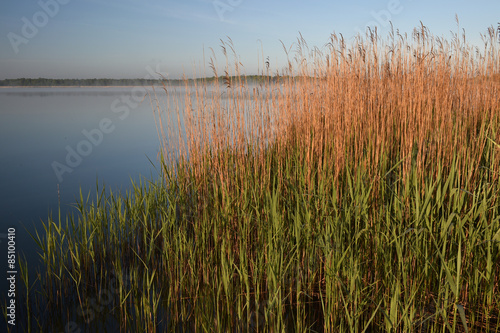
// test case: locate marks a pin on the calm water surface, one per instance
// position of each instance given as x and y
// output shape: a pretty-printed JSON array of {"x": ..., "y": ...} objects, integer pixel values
[
  {"x": 56, "y": 141},
  {"x": 108, "y": 136}
]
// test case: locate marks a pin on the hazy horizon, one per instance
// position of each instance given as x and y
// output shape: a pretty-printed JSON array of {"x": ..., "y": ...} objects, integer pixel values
[{"x": 209, "y": 75}]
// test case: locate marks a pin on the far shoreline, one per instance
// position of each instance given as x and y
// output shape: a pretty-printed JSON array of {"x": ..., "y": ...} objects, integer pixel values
[{"x": 131, "y": 86}]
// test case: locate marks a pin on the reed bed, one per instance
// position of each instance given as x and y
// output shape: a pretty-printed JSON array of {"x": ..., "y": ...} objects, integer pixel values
[{"x": 355, "y": 190}]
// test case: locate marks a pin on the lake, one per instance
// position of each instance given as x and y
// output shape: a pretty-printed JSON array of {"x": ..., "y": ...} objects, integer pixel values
[
  {"x": 56, "y": 141},
  {"x": 59, "y": 141}
]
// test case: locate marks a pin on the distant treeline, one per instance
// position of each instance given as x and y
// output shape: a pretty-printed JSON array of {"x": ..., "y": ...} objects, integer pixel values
[
  {"x": 44, "y": 82},
  {"x": 41, "y": 82}
]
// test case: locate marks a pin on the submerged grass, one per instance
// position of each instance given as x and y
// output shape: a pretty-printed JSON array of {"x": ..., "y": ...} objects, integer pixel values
[{"x": 357, "y": 190}]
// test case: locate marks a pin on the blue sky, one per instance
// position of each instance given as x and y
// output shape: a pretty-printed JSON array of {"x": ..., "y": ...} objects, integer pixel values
[{"x": 120, "y": 39}]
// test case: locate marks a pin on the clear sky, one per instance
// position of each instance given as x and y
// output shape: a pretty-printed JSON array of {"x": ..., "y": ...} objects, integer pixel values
[{"x": 121, "y": 38}]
